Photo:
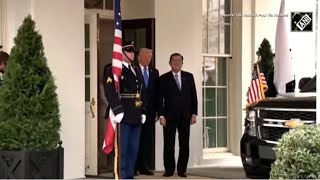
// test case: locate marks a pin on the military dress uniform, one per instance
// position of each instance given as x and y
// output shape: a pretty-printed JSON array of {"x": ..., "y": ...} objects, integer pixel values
[{"x": 129, "y": 102}]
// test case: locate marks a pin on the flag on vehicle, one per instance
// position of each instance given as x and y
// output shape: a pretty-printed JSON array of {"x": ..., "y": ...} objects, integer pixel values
[{"x": 258, "y": 85}]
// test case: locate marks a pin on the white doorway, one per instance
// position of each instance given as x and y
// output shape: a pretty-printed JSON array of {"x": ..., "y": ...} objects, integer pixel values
[
  {"x": 91, "y": 92},
  {"x": 99, "y": 32}
]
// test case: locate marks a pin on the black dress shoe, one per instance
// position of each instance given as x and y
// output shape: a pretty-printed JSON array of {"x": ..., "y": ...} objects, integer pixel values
[
  {"x": 167, "y": 174},
  {"x": 182, "y": 174},
  {"x": 147, "y": 172}
]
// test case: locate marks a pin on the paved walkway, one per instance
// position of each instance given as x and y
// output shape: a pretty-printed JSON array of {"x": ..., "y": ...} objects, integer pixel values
[
  {"x": 225, "y": 168},
  {"x": 158, "y": 175},
  {"x": 195, "y": 173}
]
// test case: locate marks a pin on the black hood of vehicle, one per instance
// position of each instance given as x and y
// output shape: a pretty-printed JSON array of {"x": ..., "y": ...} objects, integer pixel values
[{"x": 288, "y": 102}]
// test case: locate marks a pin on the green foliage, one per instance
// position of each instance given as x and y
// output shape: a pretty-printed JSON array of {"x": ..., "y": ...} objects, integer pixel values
[
  {"x": 29, "y": 108},
  {"x": 298, "y": 154},
  {"x": 266, "y": 55}
]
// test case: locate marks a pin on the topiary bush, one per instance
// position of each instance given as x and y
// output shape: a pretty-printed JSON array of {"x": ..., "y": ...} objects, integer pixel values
[
  {"x": 298, "y": 154},
  {"x": 29, "y": 108},
  {"x": 266, "y": 55}
]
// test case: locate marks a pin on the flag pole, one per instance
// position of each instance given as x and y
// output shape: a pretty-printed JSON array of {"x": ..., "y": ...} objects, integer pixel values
[
  {"x": 115, "y": 164},
  {"x": 260, "y": 81},
  {"x": 119, "y": 149}
]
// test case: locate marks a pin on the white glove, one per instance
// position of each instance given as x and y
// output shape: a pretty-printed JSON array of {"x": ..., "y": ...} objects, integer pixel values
[
  {"x": 119, "y": 117},
  {"x": 143, "y": 118}
]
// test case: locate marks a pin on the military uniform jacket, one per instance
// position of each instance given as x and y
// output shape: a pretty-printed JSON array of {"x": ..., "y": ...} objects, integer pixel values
[{"x": 129, "y": 84}]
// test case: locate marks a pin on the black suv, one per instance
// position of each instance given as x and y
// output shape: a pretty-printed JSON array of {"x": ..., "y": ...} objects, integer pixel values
[{"x": 267, "y": 120}]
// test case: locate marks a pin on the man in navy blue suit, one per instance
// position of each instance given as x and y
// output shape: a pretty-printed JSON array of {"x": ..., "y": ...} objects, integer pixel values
[{"x": 150, "y": 88}]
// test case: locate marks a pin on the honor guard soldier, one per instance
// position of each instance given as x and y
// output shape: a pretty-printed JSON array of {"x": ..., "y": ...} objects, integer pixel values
[{"x": 127, "y": 107}]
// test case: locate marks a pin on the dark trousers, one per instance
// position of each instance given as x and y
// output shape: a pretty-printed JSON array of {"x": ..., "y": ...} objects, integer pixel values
[
  {"x": 169, "y": 133},
  {"x": 130, "y": 137},
  {"x": 147, "y": 144}
]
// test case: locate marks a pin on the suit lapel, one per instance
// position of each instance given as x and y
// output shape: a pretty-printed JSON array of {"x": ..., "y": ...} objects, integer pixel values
[
  {"x": 129, "y": 71},
  {"x": 150, "y": 77},
  {"x": 183, "y": 80}
]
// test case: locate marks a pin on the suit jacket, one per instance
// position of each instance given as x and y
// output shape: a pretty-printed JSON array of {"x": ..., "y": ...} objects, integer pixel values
[
  {"x": 129, "y": 84},
  {"x": 172, "y": 100},
  {"x": 150, "y": 93}
]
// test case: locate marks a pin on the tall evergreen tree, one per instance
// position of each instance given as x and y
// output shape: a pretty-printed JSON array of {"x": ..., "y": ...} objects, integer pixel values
[
  {"x": 29, "y": 108},
  {"x": 266, "y": 56}
]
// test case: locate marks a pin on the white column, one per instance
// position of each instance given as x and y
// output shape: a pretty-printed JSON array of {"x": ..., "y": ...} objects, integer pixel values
[
  {"x": 179, "y": 29},
  {"x": 61, "y": 24},
  {"x": 240, "y": 70}
]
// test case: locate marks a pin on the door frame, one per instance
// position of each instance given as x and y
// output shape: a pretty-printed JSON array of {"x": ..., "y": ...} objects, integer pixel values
[
  {"x": 91, "y": 108},
  {"x": 93, "y": 146}
]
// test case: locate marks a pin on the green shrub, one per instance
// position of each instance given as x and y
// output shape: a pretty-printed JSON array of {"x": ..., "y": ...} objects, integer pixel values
[
  {"x": 298, "y": 154},
  {"x": 29, "y": 109}
]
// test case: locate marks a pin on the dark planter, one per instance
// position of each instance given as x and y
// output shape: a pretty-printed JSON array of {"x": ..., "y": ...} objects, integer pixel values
[{"x": 26, "y": 164}]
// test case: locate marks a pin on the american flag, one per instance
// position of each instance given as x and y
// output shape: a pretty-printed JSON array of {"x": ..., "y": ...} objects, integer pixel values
[
  {"x": 108, "y": 143},
  {"x": 258, "y": 85}
]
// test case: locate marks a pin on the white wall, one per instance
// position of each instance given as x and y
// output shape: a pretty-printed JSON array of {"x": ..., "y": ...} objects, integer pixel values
[
  {"x": 302, "y": 44},
  {"x": 137, "y": 9},
  {"x": 15, "y": 11},
  {"x": 179, "y": 29},
  {"x": 61, "y": 24}
]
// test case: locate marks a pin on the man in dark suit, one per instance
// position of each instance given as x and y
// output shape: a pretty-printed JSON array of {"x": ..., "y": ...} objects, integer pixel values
[
  {"x": 150, "y": 87},
  {"x": 178, "y": 106},
  {"x": 127, "y": 108}
]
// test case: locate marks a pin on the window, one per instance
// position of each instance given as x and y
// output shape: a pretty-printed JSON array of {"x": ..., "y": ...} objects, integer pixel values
[
  {"x": 216, "y": 53},
  {"x": 99, "y": 4}
]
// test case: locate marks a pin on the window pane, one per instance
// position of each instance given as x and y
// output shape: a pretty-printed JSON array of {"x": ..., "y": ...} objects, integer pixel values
[
  {"x": 209, "y": 136},
  {"x": 222, "y": 72},
  {"x": 109, "y": 4},
  {"x": 213, "y": 11},
  {"x": 87, "y": 35},
  {"x": 136, "y": 35},
  {"x": 222, "y": 101},
  {"x": 140, "y": 38},
  {"x": 224, "y": 39},
  {"x": 209, "y": 71},
  {"x": 210, "y": 102},
  {"x": 204, "y": 37},
  {"x": 222, "y": 132},
  {"x": 224, "y": 9},
  {"x": 213, "y": 38},
  {"x": 87, "y": 63},
  {"x": 87, "y": 89},
  {"x": 93, "y": 4},
  {"x": 227, "y": 10},
  {"x": 203, "y": 103}
]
